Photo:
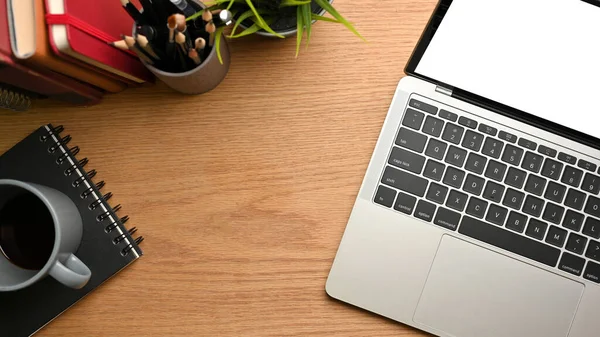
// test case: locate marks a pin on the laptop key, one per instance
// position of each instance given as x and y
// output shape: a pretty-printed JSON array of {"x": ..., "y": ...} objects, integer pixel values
[
  {"x": 553, "y": 213},
  {"x": 436, "y": 149},
  {"x": 576, "y": 244},
  {"x": 591, "y": 227},
  {"x": 492, "y": 147},
  {"x": 473, "y": 184},
  {"x": 592, "y": 272},
  {"x": 434, "y": 170},
  {"x": 536, "y": 229},
  {"x": 425, "y": 210},
  {"x": 573, "y": 220},
  {"x": 556, "y": 236},
  {"x": 533, "y": 206},
  {"x": 447, "y": 219},
  {"x": 451, "y": 116},
  {"x": 532, "y": 162},
  {"x": 487, "y": 129},
  {"x": 526, "y": 143},
  {"x": 477, "y": 207},
  {"x": 512, "y": 155},
  {"x": 475, "y": 163},
  {"x": 535, "y": 184},
  {"x": 406, "y": 160},
  {"x": 454, "y": 177},
  {"x": 413, "y": 119},
  {"x": 472, "y": 140},
  {"x": 591, "y": 183},
  {"x": 493, "y": 191},
  {"x": 464, "y": 121},
  {"x": 567, "y": 158},
  {"x": 456, "y": 156},
  {"x": 547, "y": 151},
  {"x": 433, "y": 126},
  {"x": 457, "y": 200},
  {"x": 510, "y": 241},
  {"x": 513, "y": 199},
  {"x": 555, "y": 192},
  {"x": 552, "y": 169},
  {"x": 385, "y": 196},
  {"x": 453, "y": 133},
  {"x": 592, "y": 207},
  {"x": 516, "y": 222},
  {"x": 411, "y": 140},
  {"x": 509, "y": 137},
  {"x": 593, "y": 250},
  {"x": 423, "y": 106},
  {"x": 515, "y": 177},
  {"x": 405, "y": 203},
  {"x": 437, "y": 193},
  {"x": 496, "y": 215},
  {"x": 571, "y": 264},
  {"x": 495, "y": 170},
  {"x": 572, "y": 176},
  {"x": 575, "y": 199},
  {"x": 586, "y": 165},
  {"x": 404, "y": 181}
]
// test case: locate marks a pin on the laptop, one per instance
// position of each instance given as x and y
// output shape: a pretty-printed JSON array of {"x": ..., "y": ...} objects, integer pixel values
[{"x": 479, "y": 214}]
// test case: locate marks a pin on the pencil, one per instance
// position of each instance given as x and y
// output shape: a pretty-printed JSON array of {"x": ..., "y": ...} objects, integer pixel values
[
  {"x": 130, "y": 41},
  {"x": 133, "y": 11},
  {"x": 193, "y": 54},
  {"x": 211, "y": 29},
  {"x": 149, "y": 11},
  {"x": 180, "y": 39},
  {"x": 143, "y": 42},
  {"x": 120, "y": 44},
  {"x": 172, "y": 25}
]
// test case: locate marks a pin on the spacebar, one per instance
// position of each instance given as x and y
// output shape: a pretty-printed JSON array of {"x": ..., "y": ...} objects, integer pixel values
[{"x": 510, "y": 241}]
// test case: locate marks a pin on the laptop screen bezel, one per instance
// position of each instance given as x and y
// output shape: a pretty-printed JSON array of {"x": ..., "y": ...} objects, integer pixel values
[{"x": 471, "y": 97}]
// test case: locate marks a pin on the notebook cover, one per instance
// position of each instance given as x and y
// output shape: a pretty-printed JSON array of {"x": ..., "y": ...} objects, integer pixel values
[
  {"x": 112, "y": 19},
  {"x": 24, "y": 312},
  {"x": 39, "y": 80},
  {"x": 44, "y": 57}
]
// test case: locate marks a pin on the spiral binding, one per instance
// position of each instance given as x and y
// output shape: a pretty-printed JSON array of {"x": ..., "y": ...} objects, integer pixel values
[
  {"x": 13, "y": 100},
  {"x": 77, "y": 167}
]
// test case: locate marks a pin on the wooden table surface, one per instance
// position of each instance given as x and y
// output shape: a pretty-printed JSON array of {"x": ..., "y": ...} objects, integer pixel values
[{"x": 242, "y": 194}]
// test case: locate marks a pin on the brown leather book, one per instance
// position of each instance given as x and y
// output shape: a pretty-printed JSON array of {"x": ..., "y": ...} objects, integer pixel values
[{"x": 44, "y": 57}]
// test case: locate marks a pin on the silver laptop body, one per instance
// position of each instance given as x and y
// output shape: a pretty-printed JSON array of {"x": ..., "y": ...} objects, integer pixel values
[{"x": 453, "y": 233}]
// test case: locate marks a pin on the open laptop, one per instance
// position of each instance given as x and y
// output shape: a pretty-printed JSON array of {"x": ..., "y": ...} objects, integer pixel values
[{"x": 479, "y": 214}]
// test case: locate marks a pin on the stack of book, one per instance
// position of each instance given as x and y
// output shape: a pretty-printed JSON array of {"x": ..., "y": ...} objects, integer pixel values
[{"x": 60, "y": 49}]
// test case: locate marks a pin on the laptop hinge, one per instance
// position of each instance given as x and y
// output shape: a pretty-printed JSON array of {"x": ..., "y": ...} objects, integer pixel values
[{"x": 442, "y": 90}]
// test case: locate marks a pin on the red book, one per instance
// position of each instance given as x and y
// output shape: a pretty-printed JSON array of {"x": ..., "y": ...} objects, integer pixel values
[
  {"x": 82, "y": 30},
  {"x": 40, "y": 81}
]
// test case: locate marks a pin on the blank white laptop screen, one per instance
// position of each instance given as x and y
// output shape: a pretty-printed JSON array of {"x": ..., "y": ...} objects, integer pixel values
[{"x": 539, "y": 56}]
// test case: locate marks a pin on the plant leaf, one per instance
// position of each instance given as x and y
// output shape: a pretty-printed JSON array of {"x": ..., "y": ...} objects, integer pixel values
[
  {"x": 323, "y": 18},
  {"x": 239, "y": 20},
  {"x": 261, "y": 22},
  {"x": 329, "y": 8},
  {"x": 250, "y": 30},
  {"x": 291, "y": 3},
  {"x": 306, "y": 11},
  {"x": 218, "y": 36},
  {"x": 300, "y": 26}
]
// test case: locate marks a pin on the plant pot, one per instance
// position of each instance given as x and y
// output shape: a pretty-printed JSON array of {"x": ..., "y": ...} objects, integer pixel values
[{"x": 286, "y": 26}]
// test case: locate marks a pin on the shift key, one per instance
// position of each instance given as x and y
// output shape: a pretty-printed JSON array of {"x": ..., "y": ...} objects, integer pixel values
[
  {"x": 404, "y": 181},
  {"x": 411, "y": 140}
]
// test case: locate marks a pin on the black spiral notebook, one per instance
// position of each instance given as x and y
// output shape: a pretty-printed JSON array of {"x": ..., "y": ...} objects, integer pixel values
[{"x": 107, "y": 247}]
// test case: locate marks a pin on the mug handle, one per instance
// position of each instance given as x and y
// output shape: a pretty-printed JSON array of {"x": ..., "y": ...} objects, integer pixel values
[{"x": 74, "y": 273}]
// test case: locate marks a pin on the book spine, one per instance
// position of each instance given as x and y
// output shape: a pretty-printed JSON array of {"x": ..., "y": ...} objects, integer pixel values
[{"x": 104, "y": 214}]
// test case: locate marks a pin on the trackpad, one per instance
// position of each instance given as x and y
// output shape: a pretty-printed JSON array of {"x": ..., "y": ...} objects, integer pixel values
[{"x": 474, "y": 292}]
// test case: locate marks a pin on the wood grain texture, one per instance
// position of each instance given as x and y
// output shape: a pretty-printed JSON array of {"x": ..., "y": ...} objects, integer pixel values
[{"x": 242, "y": 194}]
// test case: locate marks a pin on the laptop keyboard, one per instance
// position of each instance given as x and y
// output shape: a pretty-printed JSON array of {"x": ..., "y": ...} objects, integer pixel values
[{"x": 484, "y": 182}]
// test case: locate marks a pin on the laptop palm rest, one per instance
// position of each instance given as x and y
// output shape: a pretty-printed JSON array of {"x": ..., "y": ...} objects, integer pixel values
[{"x": 472, "y": 292}]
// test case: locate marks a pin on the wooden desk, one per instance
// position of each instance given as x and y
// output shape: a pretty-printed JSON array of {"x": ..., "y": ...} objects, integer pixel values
[{"x": 243, "y": 193}]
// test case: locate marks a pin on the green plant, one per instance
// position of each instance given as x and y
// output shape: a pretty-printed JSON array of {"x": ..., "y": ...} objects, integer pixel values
[{"x": 262, "y": 14}]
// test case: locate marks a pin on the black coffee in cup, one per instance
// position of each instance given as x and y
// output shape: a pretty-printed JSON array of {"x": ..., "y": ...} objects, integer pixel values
[{"x": 26, "y": 231}]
